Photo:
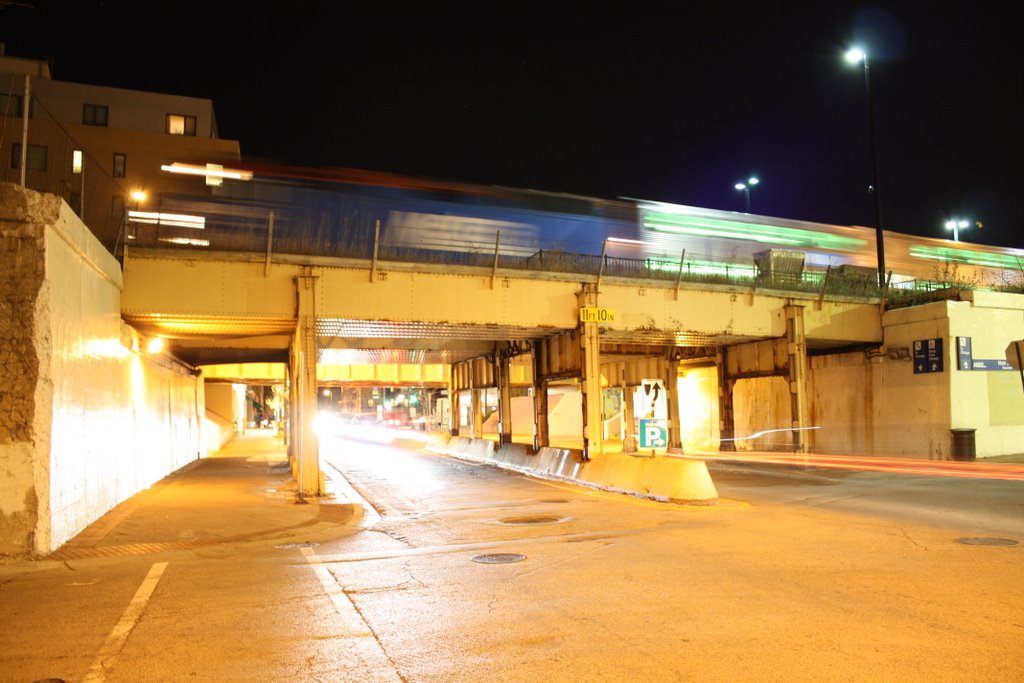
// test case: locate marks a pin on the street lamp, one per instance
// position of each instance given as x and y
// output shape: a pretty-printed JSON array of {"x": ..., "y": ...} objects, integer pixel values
[
  {"x": 854, "y": 56},
  {"x": 956, "y": 225},
  {"x": 746, "y": 187}
]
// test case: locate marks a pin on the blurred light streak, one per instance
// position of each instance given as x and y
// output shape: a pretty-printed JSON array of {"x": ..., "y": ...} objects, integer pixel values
[
  {"x": 174, "y": 219},
  {"x": 187, "y": 241},
  {"x": 936, "y": 468},
  {"x": 770, "y": 431},
  {"x": 209, "y": 170}
]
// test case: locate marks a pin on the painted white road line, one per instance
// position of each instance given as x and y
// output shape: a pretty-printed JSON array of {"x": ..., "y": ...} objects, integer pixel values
[
  {"x": 369, "y": 652},
  {"x": 119, "y": 635},
  {"x": 352, "y": 620}
]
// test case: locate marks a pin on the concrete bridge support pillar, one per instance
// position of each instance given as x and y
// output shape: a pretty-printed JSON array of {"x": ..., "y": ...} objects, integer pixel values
[
  {"x": 454, "y": 407},
  {"x": 726, "y": 418},
  {"x": 540, "y": 399},
  {"x": 502, "y": 372},
  {"x": 305, "y": 452},
  {"x": 591, "y": 380},
  {"x": 629, "y": 444},
  {"x": 797, "y": 349},
  {"x": 670, "y": 378},
  {"x": 476, "y": 405}
]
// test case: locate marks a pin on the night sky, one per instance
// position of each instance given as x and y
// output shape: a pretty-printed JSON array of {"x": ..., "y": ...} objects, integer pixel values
[{"x": 657, "y": 101}]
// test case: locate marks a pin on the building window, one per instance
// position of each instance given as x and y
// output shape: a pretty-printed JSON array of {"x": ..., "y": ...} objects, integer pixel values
[
  {"x": 117, "y": 207},
  {"x": 181, "y": 124},
  {"x": 10, "y": 105},
  {"x": 120, "y": 161},
  {"x": 94, "y": 115},
  {"x": 77, "y": 162},
  {"x": 36, "y": 157}
]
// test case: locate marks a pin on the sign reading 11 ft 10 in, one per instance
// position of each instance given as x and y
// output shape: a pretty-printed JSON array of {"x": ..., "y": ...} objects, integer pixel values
[{"x": 597, "y": 315}]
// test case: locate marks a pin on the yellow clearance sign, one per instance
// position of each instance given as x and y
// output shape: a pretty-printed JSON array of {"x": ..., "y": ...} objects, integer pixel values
[{"x": 597, "y": 315}]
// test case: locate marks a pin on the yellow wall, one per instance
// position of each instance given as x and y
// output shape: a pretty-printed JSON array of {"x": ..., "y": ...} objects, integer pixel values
[
  {"x": 990, "y": 401},
  {"x": 120, "y": 421},
  {"x": 104, "y": 421}
]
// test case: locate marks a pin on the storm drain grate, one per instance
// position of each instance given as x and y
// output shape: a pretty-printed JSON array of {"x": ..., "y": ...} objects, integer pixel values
[
  {"x": 534, "y": 519},
  {"x": 986, "y": 540},
  {"x": 499, "y": 558}
]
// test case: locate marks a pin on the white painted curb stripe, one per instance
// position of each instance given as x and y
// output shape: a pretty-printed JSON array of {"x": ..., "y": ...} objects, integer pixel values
[
  {"x": 370, "y": 650},
  {"x": 119, "y": 635},
  {"x": 353, "y": 621}
]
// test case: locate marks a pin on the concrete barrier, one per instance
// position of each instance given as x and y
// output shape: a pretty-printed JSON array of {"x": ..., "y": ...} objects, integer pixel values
[
  {"x": 668, "y": 478},
  {"x": 437, "y": 442}
]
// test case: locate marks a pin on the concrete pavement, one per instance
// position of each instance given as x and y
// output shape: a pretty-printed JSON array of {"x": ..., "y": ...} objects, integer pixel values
[
  {"x": 243, "y": 493},
  {"x": 213, "y": 574}
]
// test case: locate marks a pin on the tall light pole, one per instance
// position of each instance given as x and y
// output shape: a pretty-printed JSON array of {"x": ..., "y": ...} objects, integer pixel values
[
  {"x": 746, "y": 187},
  {"x": 956, "y": 225},
  {"x": 853, "y": 56}
]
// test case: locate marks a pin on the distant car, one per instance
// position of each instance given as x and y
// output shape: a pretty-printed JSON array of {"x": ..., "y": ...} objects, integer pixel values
[{"x": 395, "y": 418}]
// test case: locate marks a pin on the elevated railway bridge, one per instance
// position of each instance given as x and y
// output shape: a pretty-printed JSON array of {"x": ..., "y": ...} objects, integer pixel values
[{"x": 477, "y": 328}]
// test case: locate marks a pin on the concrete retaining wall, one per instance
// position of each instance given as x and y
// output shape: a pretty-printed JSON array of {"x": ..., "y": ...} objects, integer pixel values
[
  {"x": 85, "y": 420},
  {"x": 665, "y": 477}
]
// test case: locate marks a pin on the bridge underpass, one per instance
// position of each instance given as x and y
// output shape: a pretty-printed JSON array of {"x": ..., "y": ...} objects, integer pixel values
[{"x": 494, "y": 330}]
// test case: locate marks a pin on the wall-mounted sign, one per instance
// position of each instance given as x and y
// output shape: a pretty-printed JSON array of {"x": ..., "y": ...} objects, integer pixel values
[
  {"x": 928, "y": 356},
  {"x": 653, "y": 433},
  {"x": 965, "y": 359},
  {"x": 597, "y": 315}
]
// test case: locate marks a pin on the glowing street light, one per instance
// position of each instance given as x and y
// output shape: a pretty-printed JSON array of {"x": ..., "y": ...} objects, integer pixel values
[
  {"x": 956, "y": 225},
  {"x": 746, "y": 187},
  {"x": 854, "y": 56}
]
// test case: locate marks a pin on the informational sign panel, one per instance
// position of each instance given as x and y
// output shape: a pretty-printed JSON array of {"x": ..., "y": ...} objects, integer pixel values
[
  {"x": 653, "y": 433},
  {"x": 965, "y": 359},
  {"x": 597, "y": 315},
  {"x": 928, "y": 356},
  {"x": 652, "y": 399}
]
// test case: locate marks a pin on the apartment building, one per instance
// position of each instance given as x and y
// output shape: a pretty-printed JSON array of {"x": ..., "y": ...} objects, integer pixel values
[{"x": 102, "y": 148}]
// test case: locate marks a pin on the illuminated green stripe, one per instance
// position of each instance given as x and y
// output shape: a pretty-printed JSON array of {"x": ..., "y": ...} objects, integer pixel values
[
  {"x": 767, "y": 234},
  {"x": 703, "y": 268},
  {"x": 974, "y": 258}
]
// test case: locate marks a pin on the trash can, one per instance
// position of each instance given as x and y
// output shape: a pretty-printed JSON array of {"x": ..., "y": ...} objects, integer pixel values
[{"x": 963, "y": 444}]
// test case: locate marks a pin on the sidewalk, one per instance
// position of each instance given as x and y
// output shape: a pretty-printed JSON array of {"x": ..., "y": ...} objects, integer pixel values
[{"x": 242, "y": 493}]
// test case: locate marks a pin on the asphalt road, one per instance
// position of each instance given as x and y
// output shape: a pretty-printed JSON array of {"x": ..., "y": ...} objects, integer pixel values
[{"x": 797, "y": 575}]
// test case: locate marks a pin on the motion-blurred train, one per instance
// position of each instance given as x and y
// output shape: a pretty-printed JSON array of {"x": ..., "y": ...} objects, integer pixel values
[{"x": 352, "y": 213}]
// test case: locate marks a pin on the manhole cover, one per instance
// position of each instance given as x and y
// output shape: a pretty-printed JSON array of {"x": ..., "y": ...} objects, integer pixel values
[
  {"x": 289, "y": 546},
  {"x": 499, "y": 558},
  {"x": 535, "y": 519},
  {"x": 986, "y": 540}
]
